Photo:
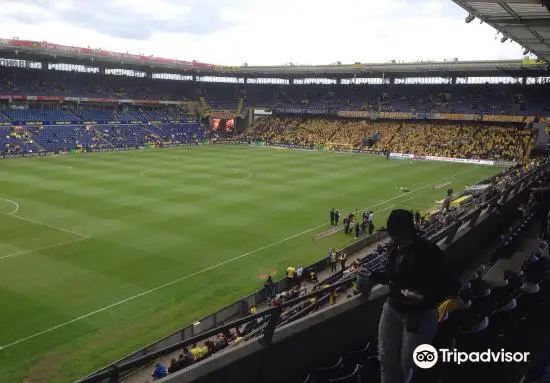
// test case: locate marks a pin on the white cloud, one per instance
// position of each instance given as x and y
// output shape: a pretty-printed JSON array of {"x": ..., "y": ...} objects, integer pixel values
[{"x": 261, "y": 32}]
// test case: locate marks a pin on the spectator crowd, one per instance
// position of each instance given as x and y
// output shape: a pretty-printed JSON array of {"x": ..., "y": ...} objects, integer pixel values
[{"x": 454, "y": 140}]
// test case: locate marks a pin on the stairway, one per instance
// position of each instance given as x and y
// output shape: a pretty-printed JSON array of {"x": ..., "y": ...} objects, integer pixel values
[
  {"x": 73, "y": 111},
  {"x": 395, "y": 134},
  {"x": 153, "y": 133},
  {"x": 204, "y": 106},
  {"x": 528, "y": 147},
  {"x": 34, "y": 141},
  {"x": 97, "y": 133},
  {"x": 250, "y": 129},
  {"x": 138, "y": 116},
  {"x": 4, "y": 117},
  {"x": 74, "y": 114},
  {"x": 196, "y": 108},
  {"x": 335, "y": 133},
  {"x": 240, "y": 106}
]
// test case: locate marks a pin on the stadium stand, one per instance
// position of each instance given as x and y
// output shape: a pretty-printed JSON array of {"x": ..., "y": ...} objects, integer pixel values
[
  {"x": 423, "y": 139},
  {"x": 31, "y": 82},
  {"x": 63, "y": 138},
  {"x": 507, "y": 99},
  {"x": 487, "y": 99}
]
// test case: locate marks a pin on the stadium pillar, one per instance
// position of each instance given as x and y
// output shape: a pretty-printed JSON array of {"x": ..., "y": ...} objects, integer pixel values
[
  {"x": 195, "y": 78},
  {"x": 245, "y": 80},
  {"x": 101, "y": 70},
  {"x": 291, "y": 81},
  {"x": 524, "y": 80},
  {"x": 339, "y": 81},
  {"x": 453, "y": 80},
  {"x": 392, "y": 80},
  {"x": 149, "y": 74},
  {"x": 44, "y": 65}
]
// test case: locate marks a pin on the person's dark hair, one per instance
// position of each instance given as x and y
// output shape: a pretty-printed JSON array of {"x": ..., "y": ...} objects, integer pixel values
[{"x": 401, "y": 221}]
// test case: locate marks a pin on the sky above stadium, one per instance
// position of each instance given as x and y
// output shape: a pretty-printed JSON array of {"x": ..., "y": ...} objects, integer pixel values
[{"x": 261, "y": 32}]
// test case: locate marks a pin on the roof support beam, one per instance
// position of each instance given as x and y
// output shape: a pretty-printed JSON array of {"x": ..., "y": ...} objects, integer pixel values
[
  {"x": 515, "y": 23},
  {"x": 539, "y": 22},
  {"x": 510, "y": 11},
  {"x": 539, "y": 37},
  {"x": 509, "y": 1}
]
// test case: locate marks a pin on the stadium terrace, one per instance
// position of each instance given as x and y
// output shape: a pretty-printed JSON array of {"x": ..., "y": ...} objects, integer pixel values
[{"x": 194, "y": 210}]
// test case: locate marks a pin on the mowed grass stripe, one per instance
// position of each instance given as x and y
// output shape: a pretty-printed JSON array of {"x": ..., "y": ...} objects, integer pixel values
[{"x": 147, "y": 232}]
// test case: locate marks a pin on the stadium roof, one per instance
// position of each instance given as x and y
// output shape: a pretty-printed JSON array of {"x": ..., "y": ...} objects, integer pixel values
[
  {"x": 56, "y": 53},
  {"x": 527, "y": 22}
]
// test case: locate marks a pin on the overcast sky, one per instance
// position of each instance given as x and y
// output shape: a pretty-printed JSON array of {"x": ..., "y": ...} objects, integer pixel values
[{"x": 262, "y": 32}]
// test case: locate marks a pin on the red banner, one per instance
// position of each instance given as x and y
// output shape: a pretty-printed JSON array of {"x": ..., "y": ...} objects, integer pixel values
[
  {"x": 44, "y": 45},
  {"x": 223, "y": 114},
  {"x": 50, "y": 98},
  {"x": 87, "y": 99}
]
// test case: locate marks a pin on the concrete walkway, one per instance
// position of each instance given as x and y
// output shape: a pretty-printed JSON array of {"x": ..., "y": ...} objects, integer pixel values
[{"x": 144, "y": 375}]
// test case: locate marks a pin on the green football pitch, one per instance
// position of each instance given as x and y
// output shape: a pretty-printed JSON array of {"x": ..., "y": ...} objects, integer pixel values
[{"x": 101, "y": 254}]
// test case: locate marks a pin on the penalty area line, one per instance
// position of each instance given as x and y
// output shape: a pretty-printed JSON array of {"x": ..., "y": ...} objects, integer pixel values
[
  {"x": 12, "y": 214},
  {"x": 199, "y": 272},
  {"x": 82, "y": 236},
  {"x": 42, "y": 248}
]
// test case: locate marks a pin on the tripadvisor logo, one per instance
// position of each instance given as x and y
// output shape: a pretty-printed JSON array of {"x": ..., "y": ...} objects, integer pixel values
[{"x": 426, "y": 356}]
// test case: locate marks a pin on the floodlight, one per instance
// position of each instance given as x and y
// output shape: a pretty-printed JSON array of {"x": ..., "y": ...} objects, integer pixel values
[{"x": 469, "y": 18}]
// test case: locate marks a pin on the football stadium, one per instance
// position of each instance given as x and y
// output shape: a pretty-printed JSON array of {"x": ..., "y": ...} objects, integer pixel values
[{"x": 181, "y": 221}]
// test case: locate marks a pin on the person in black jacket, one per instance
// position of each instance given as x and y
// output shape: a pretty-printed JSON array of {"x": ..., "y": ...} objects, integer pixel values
[{"x": 418, "y": 281}]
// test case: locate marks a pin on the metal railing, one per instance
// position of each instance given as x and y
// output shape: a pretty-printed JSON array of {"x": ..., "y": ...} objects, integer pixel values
[{"x": 270, "y": 315}]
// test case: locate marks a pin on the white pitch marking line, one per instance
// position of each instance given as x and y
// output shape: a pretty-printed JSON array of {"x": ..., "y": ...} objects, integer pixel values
[
  {"x": 143, "y": 293},
  {"x": 406, "y": 200},
  {"x": 13, "y": 203},
  {"x": 42, "y": 248},
  {"x": 11, "y": 214},
  {"x": 387, "y": 208},
  {"x": 50, "y": 226},
  {"x": 143, "y": 172}
]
